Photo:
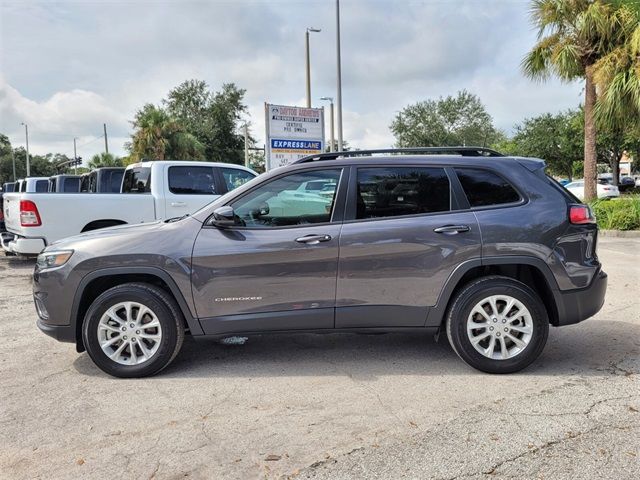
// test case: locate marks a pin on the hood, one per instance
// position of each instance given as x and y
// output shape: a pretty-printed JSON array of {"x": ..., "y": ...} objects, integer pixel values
[{"x": 130, "y": 239}]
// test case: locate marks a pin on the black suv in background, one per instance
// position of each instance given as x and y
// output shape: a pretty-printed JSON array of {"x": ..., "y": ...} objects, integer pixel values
[{"x": 464, "y": 240}]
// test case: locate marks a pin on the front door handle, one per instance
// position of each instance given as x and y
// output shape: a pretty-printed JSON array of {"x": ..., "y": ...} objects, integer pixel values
[
  {"x": 178, "y": 204},
  {"x": 452, "y": 229},
  {"x": 313, "y": 239}
]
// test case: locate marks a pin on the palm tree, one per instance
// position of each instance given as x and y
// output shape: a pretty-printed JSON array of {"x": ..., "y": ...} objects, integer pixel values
[
  {"x": 104, "y": 160},
  {"x": 618, "y": 78},
  {"x": 573, "y": 35},
  {"x": 158, "y": 137}
]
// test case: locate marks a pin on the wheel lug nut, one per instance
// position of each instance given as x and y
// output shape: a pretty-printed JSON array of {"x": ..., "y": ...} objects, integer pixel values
[
  {"x": 132, "y": 325},
  {"x": 506, "y": 329},
  {"x": 504, "y": 320},
  {"x": 124, "y": 329},
  {"x": 133, "y": 340},
  {"x": 498, "y": 334},
  {"x": 137, "y": 332},
  {"x": 125, "y": 337},
  {"x": 495, "y": 320},
  {"x": 491, "y": 328}
]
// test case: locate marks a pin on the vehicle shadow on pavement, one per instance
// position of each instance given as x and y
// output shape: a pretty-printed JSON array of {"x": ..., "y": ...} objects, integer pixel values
[{"x": 594, "y": 348}]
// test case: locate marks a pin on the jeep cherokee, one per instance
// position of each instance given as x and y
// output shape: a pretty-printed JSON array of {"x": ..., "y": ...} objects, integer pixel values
[{"x": 484, "y": 247}]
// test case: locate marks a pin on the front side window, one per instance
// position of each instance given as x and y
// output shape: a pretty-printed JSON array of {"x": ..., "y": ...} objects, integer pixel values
[
  {"x": 397, "y": 191},
  {"x": 234, "y": 177},
  {"x": 484, "y": 188},
  {"x": 297, "y": 199},
  {"x": 190, "y": 180},
  {"x": 137, "y": 180}
]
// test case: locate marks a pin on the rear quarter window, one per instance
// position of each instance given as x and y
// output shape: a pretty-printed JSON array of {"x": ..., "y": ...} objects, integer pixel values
[
  {"x": 485, "y": 188},
  {"x": 190, "y": 180},
  {"x": 137, "y": 180}
]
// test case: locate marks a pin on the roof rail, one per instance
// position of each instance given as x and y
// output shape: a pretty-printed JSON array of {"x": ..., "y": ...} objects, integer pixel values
[{"x": 463, "y": 151}]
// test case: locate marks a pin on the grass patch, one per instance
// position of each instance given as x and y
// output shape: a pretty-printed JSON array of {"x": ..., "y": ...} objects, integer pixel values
[{"x": 619, "y": 213}]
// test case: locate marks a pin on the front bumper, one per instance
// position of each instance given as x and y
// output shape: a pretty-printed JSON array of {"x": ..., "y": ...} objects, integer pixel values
[
  {"x": 577, "y": 305},
  {"x": 62, "y": 333}
]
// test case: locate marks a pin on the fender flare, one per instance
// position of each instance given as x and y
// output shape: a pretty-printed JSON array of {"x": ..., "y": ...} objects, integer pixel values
[
  {"x": 437, "y": 312},
  {"x": 192, "y": 322}
]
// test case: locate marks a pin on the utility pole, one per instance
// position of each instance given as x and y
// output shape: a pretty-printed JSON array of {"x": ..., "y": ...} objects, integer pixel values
[
  {"x": 106, "y": 142},
  {"x": 332, "y": 145},
  {"x": 308, "y": 62},
  {"x": 75, "y": 156},
  {"x": 339, "y": 75},
  {"x": 13, "y": 158},
  {"x": 26, "y": 133},
  {"x": 246, "y": 145}
]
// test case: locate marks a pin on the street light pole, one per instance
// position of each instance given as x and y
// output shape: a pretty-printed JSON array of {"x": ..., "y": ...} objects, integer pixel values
[
  {"x": 26, "y": 133},
  {"x": 308, "y": 62},
  {"x": 246, "y": 145},
  {"x": 75, "y": 156},
  {"x": 333, "y": 141},
  {"x": 339, "y": 75}
]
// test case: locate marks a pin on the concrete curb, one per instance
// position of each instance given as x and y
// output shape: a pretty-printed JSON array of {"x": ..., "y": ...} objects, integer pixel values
[{"x": 620, "y": 233}]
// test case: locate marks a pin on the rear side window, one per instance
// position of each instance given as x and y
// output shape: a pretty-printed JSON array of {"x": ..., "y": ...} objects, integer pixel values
[
  {"x": 72, "y": 185},
  {"x": 485, "y": 188},
  {"x": 137, "y": 180},
  {"x": 190, "y": 180},
  {"x": 111, "y": 181},
  {"x": 234, "y": 177},
  {"x": 396, "y": 191},
  {"x": 42, "y": 186}
]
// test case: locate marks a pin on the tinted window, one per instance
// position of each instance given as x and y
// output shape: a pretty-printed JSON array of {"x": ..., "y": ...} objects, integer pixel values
[
  {"x": 71, "y": 185},
  {"x": 136, "y": 180},
  {"x": 234, "y": 177},
  {"x": 190, "y": 180},
  {"x": 52, "y": 184},
  {"x": 42, "y": 186},
  {"x": 395, "y": 191},
  {"x": 485, "y": 188},
  {"x": 110, "y": 180},
  {"x": 297, "y": 199}
]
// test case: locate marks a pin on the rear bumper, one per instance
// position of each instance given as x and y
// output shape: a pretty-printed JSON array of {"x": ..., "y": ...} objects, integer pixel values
[
  {"x": 578, "y": 305},
  {"x": 21, "y": 245}
]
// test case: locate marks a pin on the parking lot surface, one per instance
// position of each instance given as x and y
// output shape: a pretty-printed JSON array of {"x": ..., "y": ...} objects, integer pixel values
[{"x": 334, "y": 406}]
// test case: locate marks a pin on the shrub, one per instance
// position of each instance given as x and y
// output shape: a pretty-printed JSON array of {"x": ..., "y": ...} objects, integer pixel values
[{"x": 618, "y": 214}]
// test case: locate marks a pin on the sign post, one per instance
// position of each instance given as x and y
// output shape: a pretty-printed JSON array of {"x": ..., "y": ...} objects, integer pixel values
[{"x": 292, "y": 133}]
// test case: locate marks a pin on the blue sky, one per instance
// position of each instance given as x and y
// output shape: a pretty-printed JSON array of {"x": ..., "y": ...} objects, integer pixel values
[{"x": 67, "y": 67}]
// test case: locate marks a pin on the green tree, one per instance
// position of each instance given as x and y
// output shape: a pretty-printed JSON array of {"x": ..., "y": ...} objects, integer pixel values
[
  {"x": 573, "y": 35},
  {"x": 104, "y": 160},
  {"x": 212, "y": 118},
  {"x": 158, "y": 136},
  {"x": 450, "y": 121},
  {"x": 555, "y": 138}
]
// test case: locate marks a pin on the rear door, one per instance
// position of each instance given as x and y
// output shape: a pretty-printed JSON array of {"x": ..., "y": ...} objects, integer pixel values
[
  {"x": 189, "y": 188},
  {"x": 404, "y": 234}
]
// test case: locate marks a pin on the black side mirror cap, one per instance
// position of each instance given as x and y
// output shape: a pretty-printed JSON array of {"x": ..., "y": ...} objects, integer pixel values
[{"x": 223, "y": 217}]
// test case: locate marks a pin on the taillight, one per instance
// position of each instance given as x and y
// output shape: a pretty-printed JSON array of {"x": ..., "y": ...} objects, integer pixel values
[
  {"x": 29, "y": 216},
  {"x": 580, "y": 215}
]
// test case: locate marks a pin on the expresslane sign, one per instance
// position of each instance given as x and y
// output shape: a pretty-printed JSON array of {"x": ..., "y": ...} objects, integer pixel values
[{"x": 292, "y": 133}]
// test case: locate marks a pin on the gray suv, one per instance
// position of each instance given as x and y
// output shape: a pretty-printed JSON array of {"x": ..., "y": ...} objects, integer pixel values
[{"x": 484, "y": 247}]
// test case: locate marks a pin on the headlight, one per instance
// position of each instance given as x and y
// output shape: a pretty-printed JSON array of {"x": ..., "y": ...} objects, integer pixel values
[{"x": 53, "y": 259}]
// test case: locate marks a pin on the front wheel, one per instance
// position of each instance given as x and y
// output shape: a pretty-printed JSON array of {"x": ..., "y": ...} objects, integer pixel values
[
  {"x": 497, "y": 325},
  {"x": 133, "y": 330}
]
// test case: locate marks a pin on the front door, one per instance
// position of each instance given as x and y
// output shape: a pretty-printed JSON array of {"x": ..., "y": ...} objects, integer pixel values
[
  {"x": 277, "y": 270},
  {"x": 404, "y": 239}
]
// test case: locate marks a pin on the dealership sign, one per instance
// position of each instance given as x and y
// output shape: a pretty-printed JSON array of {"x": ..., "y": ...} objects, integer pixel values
[{"x": 292, "y": 133}]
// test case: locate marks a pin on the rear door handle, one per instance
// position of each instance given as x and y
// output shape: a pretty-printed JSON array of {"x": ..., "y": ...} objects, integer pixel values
[
  {"x": 178, "y": 204},
  {"x": 313, "y": 239},
  {"x": 452, "y": 229}
]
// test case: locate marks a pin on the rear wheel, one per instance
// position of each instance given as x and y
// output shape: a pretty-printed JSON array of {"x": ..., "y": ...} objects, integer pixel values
[
  {"x": 497, "y": 325},
  {"x": 133, "y": 330}
]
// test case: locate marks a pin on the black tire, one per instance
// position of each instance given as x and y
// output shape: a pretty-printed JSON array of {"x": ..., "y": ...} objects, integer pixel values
[
  {"x": 165, "y": 309},
  {"x": 474, "y": 292}
]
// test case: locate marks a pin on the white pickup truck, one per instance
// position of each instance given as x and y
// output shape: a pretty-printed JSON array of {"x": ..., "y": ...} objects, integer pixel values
[{"x": 150, "y": 191}]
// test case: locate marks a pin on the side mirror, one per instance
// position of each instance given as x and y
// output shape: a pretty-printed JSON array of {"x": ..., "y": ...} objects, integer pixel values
[{"x": 223, "y": 217}]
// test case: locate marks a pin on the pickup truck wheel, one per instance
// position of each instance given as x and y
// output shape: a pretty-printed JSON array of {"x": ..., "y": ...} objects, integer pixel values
[
  {"x": 497, "y": 325},
  {"x": 133, "y": 330}
]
